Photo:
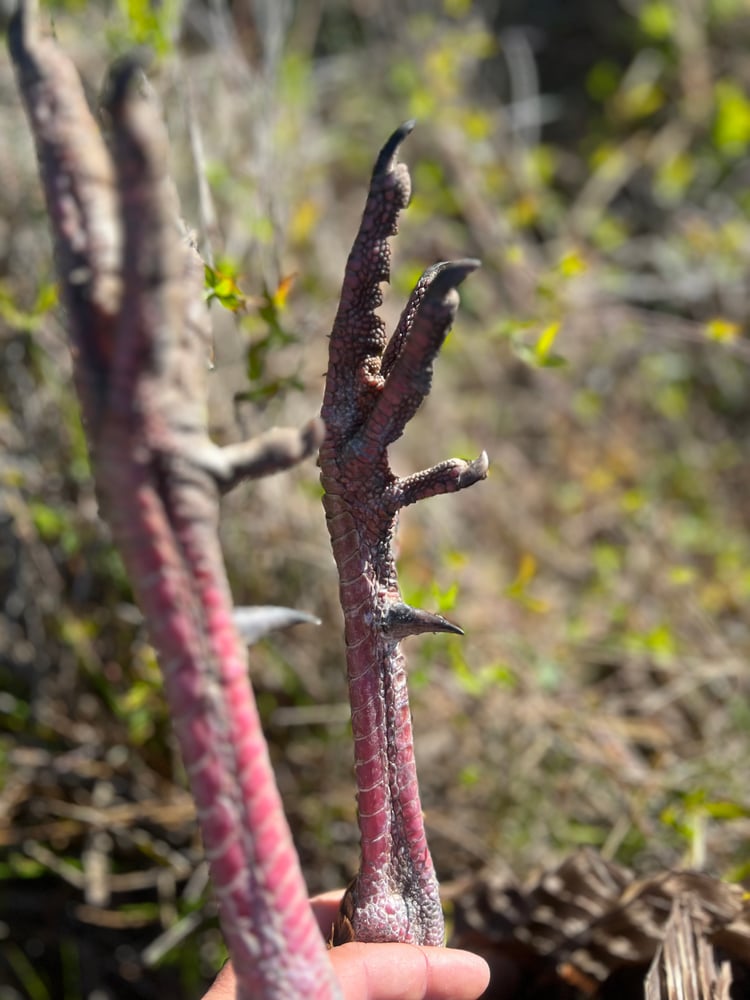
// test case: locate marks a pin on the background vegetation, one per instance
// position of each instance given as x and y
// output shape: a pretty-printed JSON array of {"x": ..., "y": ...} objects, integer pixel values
[{"x": 595, "y": 157}]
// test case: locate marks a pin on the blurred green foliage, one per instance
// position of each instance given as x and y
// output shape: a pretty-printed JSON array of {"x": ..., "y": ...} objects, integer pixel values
[{"x": 596, "y": 158}]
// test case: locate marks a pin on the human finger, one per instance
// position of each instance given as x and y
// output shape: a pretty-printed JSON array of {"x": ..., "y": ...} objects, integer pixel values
[{"x": 408, "y": 972}]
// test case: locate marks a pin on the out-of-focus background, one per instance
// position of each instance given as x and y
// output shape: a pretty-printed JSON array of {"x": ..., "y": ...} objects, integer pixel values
[{"x": 594, "y": 155}]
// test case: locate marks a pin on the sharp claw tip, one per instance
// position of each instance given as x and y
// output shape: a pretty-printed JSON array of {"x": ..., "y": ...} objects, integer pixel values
[
  {"x": 482, "y": 463},
  {"x": 122, "y": 76},
  {"x": 401, "y": 620},
  {"x": 464, "y": 266},
  {"x": 253, "y": 623},
  {"x": 450, "y": 274},
  {"x": 21, "y": 27},
  {"x": 453, "y": 629},
  {"x": 313, "y": 434},
  {"x": 474, "y": 472},
  {"x": 385, "y": 161}
]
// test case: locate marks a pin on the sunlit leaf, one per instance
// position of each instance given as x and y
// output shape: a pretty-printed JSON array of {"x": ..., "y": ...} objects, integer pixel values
[
  {"x": 722, "y": 330},
  {"x": 546, "y": 341},
  {"x": 571, "y": 264},
  {"x": 732, "y": 120},
  {"x": 281, "y": 294},
  {"x": 640, "y": 100},
  {"x": 603, "y": 79},
  {"x": 222, "y": 287},
  {"x": 657, "y": 19}
]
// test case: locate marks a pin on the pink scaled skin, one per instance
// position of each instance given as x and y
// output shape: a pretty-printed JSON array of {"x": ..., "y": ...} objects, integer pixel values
[
  {"x": 373, "y": 388},
  {"x": 389, "y": 971},
  {"x": 133, "y": 288}
]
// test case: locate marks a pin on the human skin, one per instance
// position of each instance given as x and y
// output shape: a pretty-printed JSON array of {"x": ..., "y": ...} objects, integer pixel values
[{"x": 386, "y": 971}]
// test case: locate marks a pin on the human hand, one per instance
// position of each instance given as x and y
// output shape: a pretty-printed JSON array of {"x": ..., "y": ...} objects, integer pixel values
[{"x": 387, "y": 971}]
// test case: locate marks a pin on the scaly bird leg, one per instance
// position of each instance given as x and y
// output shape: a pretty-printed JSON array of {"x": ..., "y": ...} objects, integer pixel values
[
  {"x": 133, "y": 288},
  {"x": 372, "y": 391}
]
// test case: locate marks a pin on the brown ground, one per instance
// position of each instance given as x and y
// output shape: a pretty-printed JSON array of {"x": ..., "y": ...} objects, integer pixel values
[{"x": 600, "y": 696}]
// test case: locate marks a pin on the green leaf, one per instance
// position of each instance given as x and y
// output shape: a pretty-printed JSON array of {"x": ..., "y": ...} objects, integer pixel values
[
  {"x": 657, "y": 19},
  {"x": 725, "y": 810},
  {"x": 222, "y": 287},
  {"x": 27, "y": 320},
  {"x": 603, "y": 79},
  {"x": 152, "y": 24},
  {"x": 26, "y": 972},
  {"x": 732, "y": 120},
  {"x": 722, "y": 330},
  {"x": 546, "y": 341}
]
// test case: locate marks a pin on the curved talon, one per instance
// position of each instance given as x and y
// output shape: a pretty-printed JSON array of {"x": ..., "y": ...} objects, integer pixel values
[
  {"x": 474, "y": 471},
  {"x": 450, "y": 274},
  {"x": 402, "y": 620},
  {"x": 122, "y": 76},
  {"x": 253, "y": 623},
  {"x": 22, "y": 31},
  {"x": 312, "y": 436},
  {"x": 387, "y": 155},
  {"x": 411, "y": 309}
]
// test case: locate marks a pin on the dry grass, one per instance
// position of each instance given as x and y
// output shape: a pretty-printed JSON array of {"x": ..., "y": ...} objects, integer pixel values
[{"x": 600, "y": 694}]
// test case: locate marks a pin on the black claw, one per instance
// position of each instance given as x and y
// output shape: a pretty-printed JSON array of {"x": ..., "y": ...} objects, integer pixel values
[
  {"x": 474, "y": 471},
  {"x": 125, "y": 74},
  {"x": 434, "y": 270},
  {"x": 385, "y": 161},
  {"x": 312, "y": 435},
  {"x": 402, "y": 620},
  {"x": 21, "y": 28},
  {"x": 450, "y": 274}
]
